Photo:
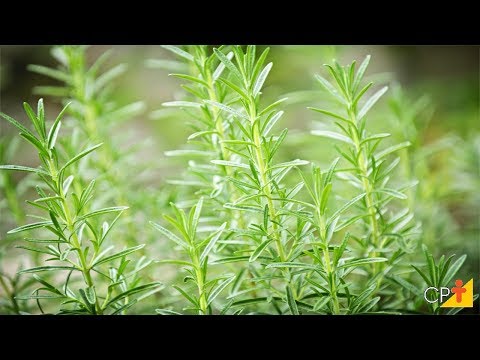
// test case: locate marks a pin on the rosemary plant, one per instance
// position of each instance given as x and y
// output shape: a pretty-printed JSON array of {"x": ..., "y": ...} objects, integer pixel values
[
  {"x": 288, "y": 253},
  {"x": 253, "y": 227},
  {"x": 198, "y": 249},
  {"x": 388, "y": 230},
  {"x": 212, "y": 131},
  {"x": 94, "y": 111},
  {"x": 74, "y": 244}
]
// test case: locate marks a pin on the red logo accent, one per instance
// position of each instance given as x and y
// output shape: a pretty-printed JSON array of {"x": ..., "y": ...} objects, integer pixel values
[{"x": 458, "y": 290}]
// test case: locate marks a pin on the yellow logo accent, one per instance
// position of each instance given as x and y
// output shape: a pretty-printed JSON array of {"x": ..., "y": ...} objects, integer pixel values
[{"x": 462, "y": 295}]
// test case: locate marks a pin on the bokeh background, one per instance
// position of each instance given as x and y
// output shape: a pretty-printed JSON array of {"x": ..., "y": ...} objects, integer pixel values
[{"x": 433, "y": 101}]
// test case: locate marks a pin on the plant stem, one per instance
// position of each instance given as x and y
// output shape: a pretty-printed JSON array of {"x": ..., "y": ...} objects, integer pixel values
[
  {"x": 106, "y": 155},
  {"x": 264, "y": 177},
  {"x": 200, "y": 284},
  {"x": 328, "y": 267},
  {"x": 367, "y": 186},
  {"x": 224, "y": 153},
  {"x": 217, "y": 119},
  {"x": 85, "y": 269}
]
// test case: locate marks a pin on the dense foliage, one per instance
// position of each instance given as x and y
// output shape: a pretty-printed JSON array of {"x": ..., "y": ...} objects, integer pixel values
[{"x": 246, "y": 226}]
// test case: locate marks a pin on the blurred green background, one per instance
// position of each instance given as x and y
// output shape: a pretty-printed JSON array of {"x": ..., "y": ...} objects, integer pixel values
[{"x": 433, "y": 101}]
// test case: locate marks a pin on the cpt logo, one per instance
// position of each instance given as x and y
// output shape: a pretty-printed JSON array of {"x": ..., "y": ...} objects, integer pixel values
[{"x": 462, "y": 295}]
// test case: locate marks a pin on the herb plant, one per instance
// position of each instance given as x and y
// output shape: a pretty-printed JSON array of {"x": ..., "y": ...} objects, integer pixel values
[
  {"x": 248, "y": 227},
  {"x": 72, "y": 239},
  {"x": 94, "y": 112},
  {"x": 288, "y": 244}
]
